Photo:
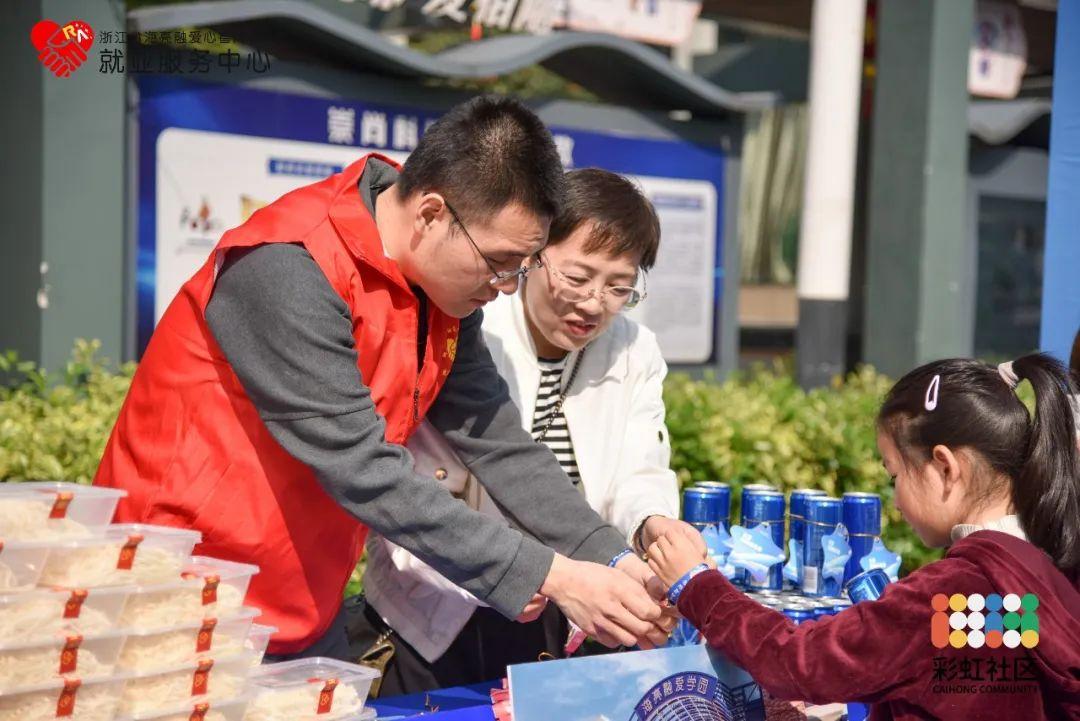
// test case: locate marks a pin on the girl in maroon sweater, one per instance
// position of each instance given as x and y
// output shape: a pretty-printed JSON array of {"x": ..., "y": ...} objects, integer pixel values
[{"x": 972, "y": 471}]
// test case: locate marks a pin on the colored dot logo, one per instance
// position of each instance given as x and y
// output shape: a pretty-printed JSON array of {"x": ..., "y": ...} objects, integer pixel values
[{"x": 993, "y": 621}]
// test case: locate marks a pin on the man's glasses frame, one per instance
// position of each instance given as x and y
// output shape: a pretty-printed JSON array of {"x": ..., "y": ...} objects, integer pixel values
[{"x": 500, "y": 277}]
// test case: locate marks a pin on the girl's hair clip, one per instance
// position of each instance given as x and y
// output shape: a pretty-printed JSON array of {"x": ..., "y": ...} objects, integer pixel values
[
  {"x": 930, "y": 403},
  {"x": 1005, "y": 370}
]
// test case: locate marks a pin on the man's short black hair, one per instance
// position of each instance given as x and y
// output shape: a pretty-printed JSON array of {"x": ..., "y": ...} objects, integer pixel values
[{"x": 485, "y": 154}]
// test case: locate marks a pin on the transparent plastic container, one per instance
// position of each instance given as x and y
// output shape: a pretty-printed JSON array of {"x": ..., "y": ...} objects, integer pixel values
[
  {"x": 72, "y": 656},
  {"x": 147, "y": 651},
  {"x": 65, "y": 699},
  {"x": 21, "y": 564},
  {"x": 207, "y": 588},
  {"x": 231, "y": 710},
  {"x": 50, "y": 510},
  {"x": 310, "y": 689},
  {"x": 41, "y": 614},
  {"x": 127, "y": 554},
  {"x": 206, "y": 681},
  {"x": 257, "y": 641}
]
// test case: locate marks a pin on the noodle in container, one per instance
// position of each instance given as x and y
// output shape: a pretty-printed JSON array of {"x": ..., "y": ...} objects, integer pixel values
[
  {"x": 41, "y": 614},
  {"x": 205, "y": 588},
  {"x": 69, "y": 699},
  {"x": 230, "y": 710},
  {"x": 21, "y": 564},
  {"x": 129, "y": 553},
  {"x": 47, "y": 510},
  {"x": 181, "y": 643},
  {"x": 311, "y": 689},
  {"x": 206, "y": 681}
]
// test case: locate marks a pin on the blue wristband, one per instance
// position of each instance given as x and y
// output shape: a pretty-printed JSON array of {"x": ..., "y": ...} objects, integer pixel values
[
  {"x": 679, "y": 586},
  {"x": 619, "y": 556}
]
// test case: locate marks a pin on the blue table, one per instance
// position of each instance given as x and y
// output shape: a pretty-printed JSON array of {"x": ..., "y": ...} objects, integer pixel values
[{"x": 461, "y": 703}]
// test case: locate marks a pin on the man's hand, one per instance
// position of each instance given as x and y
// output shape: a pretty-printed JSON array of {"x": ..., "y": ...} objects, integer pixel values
[
  {"x": 672, "y": 556},
  {"x": 655, "y": 527},
  {"x": 604, "y": 602},
  {"x": 636, "y": 569},
  {"x": 533, "y": 609}
]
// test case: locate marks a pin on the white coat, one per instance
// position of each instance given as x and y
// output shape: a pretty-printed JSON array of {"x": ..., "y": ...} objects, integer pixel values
[{"x": 615, "y": 414}]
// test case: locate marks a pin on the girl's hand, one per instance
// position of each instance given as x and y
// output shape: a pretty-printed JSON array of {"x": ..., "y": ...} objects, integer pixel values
[{"x": 672, "y": 556}]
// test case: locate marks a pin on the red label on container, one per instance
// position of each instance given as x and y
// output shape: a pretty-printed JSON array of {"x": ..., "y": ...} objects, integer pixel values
[
  {"x": 209, "y": 592},
  {"x": 199, "y": 712},
  {"x": 60, "y": 505},
  {"x": 74, "y": 604},
  {"x": 69, "y": 657},
  {"x": 200, "y": 684},
  {"x": 127, "y": 553},
  {"x": 326, "y": 696},
  {"x": 205, "y": 639},
  {"x": 65, "y": 705}
]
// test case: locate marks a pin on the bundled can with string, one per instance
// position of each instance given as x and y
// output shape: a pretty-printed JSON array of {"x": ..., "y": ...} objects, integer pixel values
[
  {"x": 823, "y": 515},
  {"x": 862, "y": 518},
  {"x": 797, "y": 523},
  {"x": 723, "y": 494},
  {"x": 765, "y": 508},
  {"x": 701, "y": 507}
]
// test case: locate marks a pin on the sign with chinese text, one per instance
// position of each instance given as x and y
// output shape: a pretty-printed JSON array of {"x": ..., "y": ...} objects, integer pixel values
[{"x": 210, "y": 155}]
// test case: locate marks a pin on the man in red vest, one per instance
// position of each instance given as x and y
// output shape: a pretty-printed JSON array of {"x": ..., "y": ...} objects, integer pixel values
[{"x": 271, "y": 404}]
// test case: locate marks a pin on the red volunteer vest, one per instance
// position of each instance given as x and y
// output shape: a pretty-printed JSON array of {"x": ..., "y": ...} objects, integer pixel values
[{"x": 191, "y": 450}]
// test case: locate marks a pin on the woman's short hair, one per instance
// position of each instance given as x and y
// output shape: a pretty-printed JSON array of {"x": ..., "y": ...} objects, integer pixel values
[{"x": 623, "y": 220}]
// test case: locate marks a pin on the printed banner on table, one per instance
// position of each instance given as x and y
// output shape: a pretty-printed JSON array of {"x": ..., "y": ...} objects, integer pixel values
[{"x": 691, "y": 683}]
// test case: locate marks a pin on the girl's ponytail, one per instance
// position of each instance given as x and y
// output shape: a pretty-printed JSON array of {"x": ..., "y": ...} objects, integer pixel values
[{"x": 1046, "y": 492}]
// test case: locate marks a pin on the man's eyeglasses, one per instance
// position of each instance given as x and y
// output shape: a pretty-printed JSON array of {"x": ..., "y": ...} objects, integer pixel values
[
  {"x": 501, "y": 277},
  {"x": 574, "y": 288}
]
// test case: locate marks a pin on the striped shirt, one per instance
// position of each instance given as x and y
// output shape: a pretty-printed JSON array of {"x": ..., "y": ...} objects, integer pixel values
[{"x": 558, "y": 435}]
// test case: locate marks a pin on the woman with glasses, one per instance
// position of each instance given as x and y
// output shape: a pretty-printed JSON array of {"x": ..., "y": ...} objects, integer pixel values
[{"x": 588, "y": 382}]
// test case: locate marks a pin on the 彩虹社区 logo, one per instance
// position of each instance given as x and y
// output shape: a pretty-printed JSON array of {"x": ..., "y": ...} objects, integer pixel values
[
  {"x": 62, "y": 50},
  {"x": 993, "y": 621}
]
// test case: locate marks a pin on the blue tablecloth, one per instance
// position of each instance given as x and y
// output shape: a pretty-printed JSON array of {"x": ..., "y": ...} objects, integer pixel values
[{"x": 461, "y": 703}]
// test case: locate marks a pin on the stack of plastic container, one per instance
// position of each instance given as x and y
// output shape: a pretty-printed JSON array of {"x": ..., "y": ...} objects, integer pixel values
[{"x": 103, "y": 621}]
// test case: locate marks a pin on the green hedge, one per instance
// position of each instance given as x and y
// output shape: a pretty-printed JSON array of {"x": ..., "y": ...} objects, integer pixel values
[
  {"x": 758, "y": 426},
  {"x": 56, "y": 428}
]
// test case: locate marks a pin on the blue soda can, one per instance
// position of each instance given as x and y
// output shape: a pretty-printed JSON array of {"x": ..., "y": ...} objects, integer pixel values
[
  {"x": 722, "y": 490},
  {"x": 701, "y": 507},
  {"x": 751, "y": 489},
  {"x": 867, "y": 586},
  {"x": 761, "y": 507},
  {"x": 797, "y": 523},
  {"x": 839, "y": 604},
  {"x": 862, "y": 518},
  {"x": 823, "y": 515},
  {"x": 822, "y": 609},
  {"x": 798, "y": 614}
]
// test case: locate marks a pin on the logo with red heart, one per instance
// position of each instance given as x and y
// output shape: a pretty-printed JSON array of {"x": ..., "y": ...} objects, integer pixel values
[{"x": 62, "y": 50}]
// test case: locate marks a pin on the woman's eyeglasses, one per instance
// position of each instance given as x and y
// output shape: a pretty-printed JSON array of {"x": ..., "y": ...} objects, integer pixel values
[{"x": 574, "y": 288}]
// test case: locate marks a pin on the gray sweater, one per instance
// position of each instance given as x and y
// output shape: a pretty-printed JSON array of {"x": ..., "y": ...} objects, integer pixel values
[{"x": 288, "y": 337}]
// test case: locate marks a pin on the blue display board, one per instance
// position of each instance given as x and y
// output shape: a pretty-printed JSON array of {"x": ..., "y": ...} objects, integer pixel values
[
  {"x": 1061, "y": 277},
  {"x": 209, "y": 155}
]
